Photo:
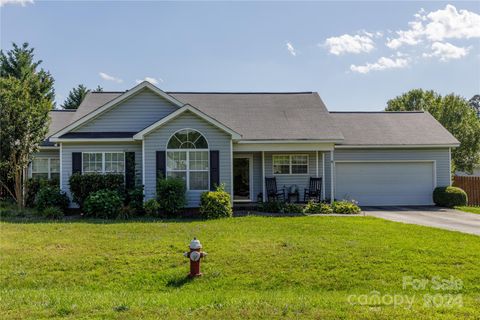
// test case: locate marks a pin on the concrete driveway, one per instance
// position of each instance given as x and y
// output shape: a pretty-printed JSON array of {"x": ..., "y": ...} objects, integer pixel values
[{"x": 443, "y": 218}]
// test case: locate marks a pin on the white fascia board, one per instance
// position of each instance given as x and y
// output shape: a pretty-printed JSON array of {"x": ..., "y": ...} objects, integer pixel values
[
  {"x": 173, "y": 115},
  {"x": 283, "y": 147},
  {"x": 93, "y": 140},
  {"x": 49, "y": 148},
  {"x": 289, "y": 141},
  {"x": 116, "y": 101},
  {"x": 399, "y": 146}
]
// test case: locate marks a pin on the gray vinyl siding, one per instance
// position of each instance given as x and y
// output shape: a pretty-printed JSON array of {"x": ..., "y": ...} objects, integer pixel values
[
  {"x": 132, "y": 115},
  {"x": 288, "y": 180},
  {"x": 157, "y": 141},
  {"x": 257, "y": 175},
  {"x": 68, "y": 149},
  {"x": 328, "y": 174},
  {"x": 440, "y": 155}
]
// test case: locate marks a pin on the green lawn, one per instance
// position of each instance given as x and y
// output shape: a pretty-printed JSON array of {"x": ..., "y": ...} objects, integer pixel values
[
  {"x": 469, "y": 209},
  {"x": 257, "y": 267}
]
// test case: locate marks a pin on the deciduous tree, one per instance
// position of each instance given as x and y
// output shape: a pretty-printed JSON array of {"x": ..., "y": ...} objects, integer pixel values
[
  {"x": 454, "y": 113},
  {"x": 26, "y": 97}
]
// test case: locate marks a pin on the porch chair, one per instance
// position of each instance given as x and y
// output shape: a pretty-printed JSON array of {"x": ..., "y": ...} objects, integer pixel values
[
  {"x": 272, "y": 192},
  {"x": 314, "y": 190}
]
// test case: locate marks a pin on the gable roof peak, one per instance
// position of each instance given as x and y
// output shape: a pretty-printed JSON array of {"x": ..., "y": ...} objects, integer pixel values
[{"x": 115, "y": 101}]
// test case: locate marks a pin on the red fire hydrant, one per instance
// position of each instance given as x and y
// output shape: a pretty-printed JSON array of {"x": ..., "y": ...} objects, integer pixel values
[{"x": 195, "y": 255}]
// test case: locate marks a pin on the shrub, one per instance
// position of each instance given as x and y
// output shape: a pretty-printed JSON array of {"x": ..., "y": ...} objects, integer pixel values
[
  {"x": 49, "y": 196},
  {"x": 103, "y": 204},
  {"x": 171, "y": 194},
  {"x": 52, "y": 213},
  {"x": 134, "y": 199},
  {"x": 33, "y": 186},
  {"x": 271, "y": 206},
  {"x": 126, "y": 212},
  {"x": 317, "y": 207},
  {"x": 449, "y": 197},
  {"x": 9, "y": 208},
  {"x": 151, "y": 207},
  {"x": 292, "y": 208},
  {"x": 216, "y": 204},
  {"x": 82, "y": 185},
  {"x": 345, "y": 207}
]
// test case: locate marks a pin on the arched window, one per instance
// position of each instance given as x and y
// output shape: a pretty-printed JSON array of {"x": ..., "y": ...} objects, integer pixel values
[
  {"x": 187, "y": 139},
  {"x": 187, "y": 158}
]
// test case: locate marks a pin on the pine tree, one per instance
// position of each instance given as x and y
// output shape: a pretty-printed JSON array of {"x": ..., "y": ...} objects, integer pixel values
[{"x": 75, "y": 97}]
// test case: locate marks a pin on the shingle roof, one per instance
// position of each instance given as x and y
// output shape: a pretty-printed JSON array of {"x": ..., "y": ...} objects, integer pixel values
[
  {"x": 59, "y": 119},
  {"x": 267, "y": 116},
  {"x": 94, "y": 100},
  {"x": 391, "y": 128},
  {"x": 291, "y": 116}
]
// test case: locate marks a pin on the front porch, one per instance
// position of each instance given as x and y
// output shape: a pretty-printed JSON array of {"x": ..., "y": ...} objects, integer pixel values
[{"x": 291, "y": 170}]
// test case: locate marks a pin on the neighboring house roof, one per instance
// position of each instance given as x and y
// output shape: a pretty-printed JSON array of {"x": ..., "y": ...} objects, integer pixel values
[
  {"x": 392, "y": 128},
  {"x": 275, "y": 116}
]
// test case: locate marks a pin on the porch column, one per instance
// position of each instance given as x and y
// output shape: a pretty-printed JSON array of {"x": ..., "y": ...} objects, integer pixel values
[
  {"x": 332, "y": 180},
  {"x": 61, "y": 166},
  {"x": 263, "y": 177},
  {"x": 323, "y": 175},
  {"x": 316, "y": 163},
  {"x": 231, "y": 173}
]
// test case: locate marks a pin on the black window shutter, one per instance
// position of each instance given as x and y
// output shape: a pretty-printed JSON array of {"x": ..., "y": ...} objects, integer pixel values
[
  {"x": 161, "y": 172},
  {"x": 214, "y": 169},
  {"x": 76, "y": 162},
  {"x": 129, "y": 170}
]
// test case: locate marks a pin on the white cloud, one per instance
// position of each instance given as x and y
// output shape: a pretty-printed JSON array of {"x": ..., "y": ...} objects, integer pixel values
[
  {"x": 350, "y": 44},
  {"x": 446, "y": 51},
  {"x": 376, "y": 34},
  {"x": 438, "y": 25},
  {"x": 382, "y": 64},
  {"x": 108, "y": 77},
  {"x": 291, "y": 49},
  {"x": 23, "y": 3},
  {"x": 150, "y": 79}
]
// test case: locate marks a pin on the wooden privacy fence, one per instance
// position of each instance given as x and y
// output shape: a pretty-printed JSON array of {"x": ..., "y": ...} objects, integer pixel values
[{"x": 471, "y": 185}]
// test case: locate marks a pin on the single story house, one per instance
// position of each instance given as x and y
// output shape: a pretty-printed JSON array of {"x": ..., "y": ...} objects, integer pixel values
[{"x": 239, "y": 139}]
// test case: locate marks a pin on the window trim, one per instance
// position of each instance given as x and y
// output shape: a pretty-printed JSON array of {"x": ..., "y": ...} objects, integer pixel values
[
  {"x": 49, "y": 166},
  {"x": 290, "y": 155},
  {"x": 103, "y": 162},
  {"x": 187, "y": 170}
]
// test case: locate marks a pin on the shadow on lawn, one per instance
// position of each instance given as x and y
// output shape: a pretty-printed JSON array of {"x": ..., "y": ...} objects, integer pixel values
[
  {"x": 80, "y": 219},
  {"x": 179, "y": 282},
  {"x": 33, "y": 219}
]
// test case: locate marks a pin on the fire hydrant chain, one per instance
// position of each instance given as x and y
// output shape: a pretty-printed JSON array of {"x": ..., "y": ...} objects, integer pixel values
[{"x": 195, "y": 254}]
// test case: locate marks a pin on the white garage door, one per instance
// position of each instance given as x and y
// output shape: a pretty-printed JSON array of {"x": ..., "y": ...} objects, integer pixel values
[{"x": 385, "y": 183}]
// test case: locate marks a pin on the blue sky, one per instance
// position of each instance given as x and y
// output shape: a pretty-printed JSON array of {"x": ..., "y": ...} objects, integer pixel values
[{"x": 357, "y": 55}]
